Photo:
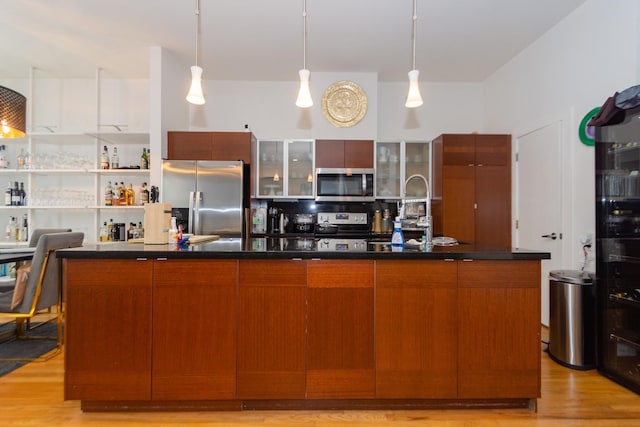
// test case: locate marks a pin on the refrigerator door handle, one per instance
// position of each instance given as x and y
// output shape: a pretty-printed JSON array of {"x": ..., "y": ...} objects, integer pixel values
[
  {"x": 192, "y": 225},
  {"x": 196, "y": 213}
]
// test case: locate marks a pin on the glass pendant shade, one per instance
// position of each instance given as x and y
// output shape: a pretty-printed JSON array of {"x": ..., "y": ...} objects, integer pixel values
[
  {"x": 414, "y": 99},
  {"x": 304, "y": 95},
  {"x": 195, "y": 95},
  {"x": 13, "y": 113}
]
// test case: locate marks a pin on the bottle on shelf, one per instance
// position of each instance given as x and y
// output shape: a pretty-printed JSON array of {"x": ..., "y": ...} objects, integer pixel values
[
  {"x": 23, "y": 195},
  {"x": 108, "y": 194},
  {"x": 20, "y": 160},
  {"x": 110, "y": 230},
  {"x": 130, "y": 196},
  {"x": 144, "y": 194},
  {"x": 115, "y": 159},
  {"x": 8, "y": 194},
  {"x": 15, "y": 195},
  {"x": 140, "y": 229},
  {"x": 23, "y": 232},
  {"x": 397, "y": 238},
  {"x": 3, "y": 157},
  {"x": 131, "y": 231},
  {"x": 104, "y": 232},
  {"x": 104, "y": 158},
  {"x": 8, "y": 231},
  {"x": 144, "y": 159}
]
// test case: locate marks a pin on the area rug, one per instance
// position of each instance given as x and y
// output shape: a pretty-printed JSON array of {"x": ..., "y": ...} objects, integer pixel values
[{"x": 14, "y": 348}]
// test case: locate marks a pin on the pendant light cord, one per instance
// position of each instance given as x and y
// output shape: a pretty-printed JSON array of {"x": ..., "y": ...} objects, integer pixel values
[
  {"x": 304, "y": 34},
  {"x": 197, "y": 28},
  {"x": 415, "y": 19}
]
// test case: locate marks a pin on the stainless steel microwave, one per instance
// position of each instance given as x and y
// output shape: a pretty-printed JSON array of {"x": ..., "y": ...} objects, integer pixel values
[{"x": 344, "y": 185}]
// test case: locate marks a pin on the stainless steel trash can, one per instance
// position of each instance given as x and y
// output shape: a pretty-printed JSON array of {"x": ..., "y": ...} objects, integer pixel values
[{"x": 572, "y": 312}]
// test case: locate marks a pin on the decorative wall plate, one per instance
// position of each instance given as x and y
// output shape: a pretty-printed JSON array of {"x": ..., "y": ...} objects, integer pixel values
[{"x": 344, "y": 104}]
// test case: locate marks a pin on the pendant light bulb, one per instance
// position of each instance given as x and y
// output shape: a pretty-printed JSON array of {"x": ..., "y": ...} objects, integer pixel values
[
  {"x": 414, "y": 99},
  {"x": 304, "y": 94},
  {"x": 195, "y": 95}
]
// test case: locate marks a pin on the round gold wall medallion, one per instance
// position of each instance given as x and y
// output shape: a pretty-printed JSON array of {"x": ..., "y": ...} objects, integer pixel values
[{"x": 344, "y": 104}]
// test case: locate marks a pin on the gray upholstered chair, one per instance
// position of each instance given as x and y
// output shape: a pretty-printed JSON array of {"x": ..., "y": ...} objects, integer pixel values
[{"x": 43, "y": 287}]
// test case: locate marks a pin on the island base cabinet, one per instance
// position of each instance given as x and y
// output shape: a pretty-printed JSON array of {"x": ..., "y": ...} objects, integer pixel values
[
  {"x": 107, "y": 329},
  {"x": 499, "y": 329},
  {"x": 271, "y": 329},
  {"x": 416, "y": 329},
  {"x": 340, "y": 329},
  {"x": 194, "y": 329}
]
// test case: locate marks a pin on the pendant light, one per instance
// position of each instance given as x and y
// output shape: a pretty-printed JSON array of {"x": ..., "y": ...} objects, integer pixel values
[
  {"x": 13, "y": 113},
  {"x": 414, "y": 99},
  {"x": 304, "y": 94},
  {"x": 195, "y": 95}
]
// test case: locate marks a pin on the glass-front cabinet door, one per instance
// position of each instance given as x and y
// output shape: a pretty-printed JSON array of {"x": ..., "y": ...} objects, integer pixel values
[
  {"x": 270, "y": 168},
  {"x": 300, "y": 168},
  {"x": 388, "y": 170},
  {"x": 417, "y": 161},
  {"x": 398, "y": 161}
]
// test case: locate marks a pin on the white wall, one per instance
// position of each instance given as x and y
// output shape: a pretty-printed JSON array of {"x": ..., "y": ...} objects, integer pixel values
[{"x": 571, "y": 69}]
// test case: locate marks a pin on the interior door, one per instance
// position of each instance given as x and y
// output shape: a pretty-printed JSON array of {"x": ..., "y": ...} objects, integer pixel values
[{"x": 539, "y": 200}]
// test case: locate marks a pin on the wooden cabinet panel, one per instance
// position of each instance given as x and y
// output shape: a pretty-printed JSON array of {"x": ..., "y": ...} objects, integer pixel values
[
  {"x": 189, "y": 146},
  {"x": 499, "y": 329},
  {"x": 472, "y": 188},
  {"x": 271, "y": 329},
  {"x": 194, "y": 329},
  {"x": 332, "y": 153},
  {"x": 227, "y": 146},
  {"x": 340, "y": 329},
  {"x": 416, "y": 329},
  {"x": 358, "y": 154},
  {"x": 108, "y": 329},
  {"x": 458, "y": 210}
]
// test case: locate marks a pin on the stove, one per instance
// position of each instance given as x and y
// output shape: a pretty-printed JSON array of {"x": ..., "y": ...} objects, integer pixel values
[
  {"x": 333, "y": 244},
  {"x": 343, "y": 224}
]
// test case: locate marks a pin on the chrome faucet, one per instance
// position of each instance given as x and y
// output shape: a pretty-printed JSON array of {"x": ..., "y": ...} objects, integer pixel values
[{"x": 425, "y": 222}]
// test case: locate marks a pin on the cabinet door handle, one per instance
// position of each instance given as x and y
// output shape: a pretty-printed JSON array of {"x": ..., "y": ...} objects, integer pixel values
[
  {"x": 479, "y": 164},
  {"x": 470, "y": 164}
]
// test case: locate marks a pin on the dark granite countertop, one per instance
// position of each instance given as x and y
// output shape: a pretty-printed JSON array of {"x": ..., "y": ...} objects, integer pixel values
[{"x": 301, "y": 248}]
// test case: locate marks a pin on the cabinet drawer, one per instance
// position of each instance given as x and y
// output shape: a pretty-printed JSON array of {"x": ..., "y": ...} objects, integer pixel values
[
  {"x": 273, "y": 273},
  {"x": 402, "y": 274},
  {"x": 499, "y": 274},
  {"x": 340, "y": 274}
]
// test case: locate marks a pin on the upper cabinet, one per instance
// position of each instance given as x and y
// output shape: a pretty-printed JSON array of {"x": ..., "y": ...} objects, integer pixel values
[
  {"x": 335, "y": 153},
  {"x": 398, "y": 161},
  {"x": 472, "y": 188},
  {"x": 210, "y": 146},
  {"x": 284, "y": 168}
]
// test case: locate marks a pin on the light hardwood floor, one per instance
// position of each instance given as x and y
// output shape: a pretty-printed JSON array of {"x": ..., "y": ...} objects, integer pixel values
[{"x": 33, "y": 396}]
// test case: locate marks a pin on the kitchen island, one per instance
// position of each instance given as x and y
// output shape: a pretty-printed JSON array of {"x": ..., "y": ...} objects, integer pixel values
[{"x": 285, "y": 324}]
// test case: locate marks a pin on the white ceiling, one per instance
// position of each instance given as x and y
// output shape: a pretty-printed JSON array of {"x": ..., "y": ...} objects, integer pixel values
[{"x": 457, "y": 40}]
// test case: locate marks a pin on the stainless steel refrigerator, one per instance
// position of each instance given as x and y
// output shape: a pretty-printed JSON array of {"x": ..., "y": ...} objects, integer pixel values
[{"x": 206, "y": 197}]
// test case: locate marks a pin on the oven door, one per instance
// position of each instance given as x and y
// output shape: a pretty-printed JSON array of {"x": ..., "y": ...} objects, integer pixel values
[{"x": 344, "y": 185}]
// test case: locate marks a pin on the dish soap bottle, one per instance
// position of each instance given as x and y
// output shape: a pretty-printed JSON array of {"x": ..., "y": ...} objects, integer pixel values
[{"x": 397, "y": 238}]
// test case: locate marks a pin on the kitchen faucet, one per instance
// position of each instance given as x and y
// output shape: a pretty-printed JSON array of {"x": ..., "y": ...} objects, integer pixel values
[{"x": 425, "y": 222}]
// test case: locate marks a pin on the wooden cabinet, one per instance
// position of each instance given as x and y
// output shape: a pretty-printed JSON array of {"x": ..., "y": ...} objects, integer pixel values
[
  {"x": 210, "y": 146},
  {"x": 416, "y": 329},
  {"x": 499, "y": 329},
  {"x": 194, "y": 329},
  {"x": 472, "y": 188},
  {"x": 333, "y": 153},
  {"x": 340, "y": 353},
  {"x": 108, "y": 329},
  {"x": 271, "y": 329}
]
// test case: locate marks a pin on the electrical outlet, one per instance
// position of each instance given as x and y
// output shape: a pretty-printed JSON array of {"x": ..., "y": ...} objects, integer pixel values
[{"x": 586, "y": 239}]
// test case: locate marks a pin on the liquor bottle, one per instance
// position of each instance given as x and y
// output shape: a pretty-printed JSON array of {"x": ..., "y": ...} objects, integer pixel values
[
  {"x": 3, "y": 157},
  {"x": 130, "y": 195},
  {"x": 23, "y": 232},
  {"x": 7, "y": 195},
  {"x": 131, "y": 231},
  {"x": 108, "y": 194},
  {"x": 110, "y": 230},
  {"x": 122, "y": 194},
  {"x": 104, "y": 232},
  {"x": 20, "y": 162},
  {"x": 144, "y": 159},
  {"x": 115, "y": 159},
  {"x": 8, "y": 228},
  {"x": 144, "y": 194},
  {"x": 140, "y": 229},
  {"x": 15, "y": 195},
  {"x": 23, "y": 195},
  {"x": 104, "y": 158}
]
